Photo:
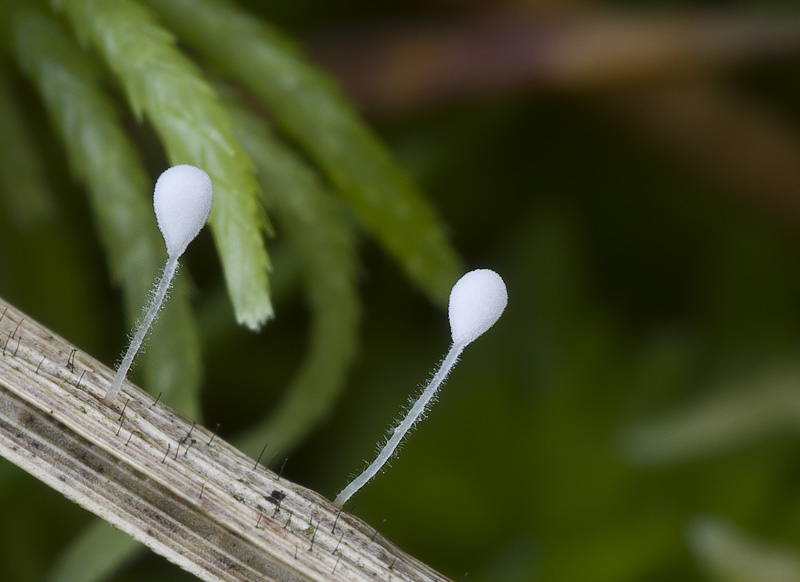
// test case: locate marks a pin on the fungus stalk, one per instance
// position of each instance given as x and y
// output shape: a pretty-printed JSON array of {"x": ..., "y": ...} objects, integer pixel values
[
  {"x": 477, "y": 301},
  {"x": 182, "y": 201}
]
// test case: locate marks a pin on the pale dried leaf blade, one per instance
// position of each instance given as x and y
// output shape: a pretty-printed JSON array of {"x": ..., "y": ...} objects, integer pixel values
[{"x": 203, "y": 507}]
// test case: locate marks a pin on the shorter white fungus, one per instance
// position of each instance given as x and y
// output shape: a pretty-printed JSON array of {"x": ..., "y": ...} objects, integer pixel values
[
  {"x": 182, "y": 202},
  {"x": 477, "y": 301}
]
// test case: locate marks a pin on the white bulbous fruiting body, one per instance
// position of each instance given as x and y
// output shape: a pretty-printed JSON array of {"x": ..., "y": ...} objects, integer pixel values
[
  {"x": 182, "y": 202},
  {"x": 477, "y": 301}
]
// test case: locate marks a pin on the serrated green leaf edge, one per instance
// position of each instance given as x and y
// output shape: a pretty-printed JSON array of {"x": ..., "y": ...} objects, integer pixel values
[
  {"x": 310, "y": 109},
  {"x": 102, "y": 156},
  {"x": 164, "y": 86}
]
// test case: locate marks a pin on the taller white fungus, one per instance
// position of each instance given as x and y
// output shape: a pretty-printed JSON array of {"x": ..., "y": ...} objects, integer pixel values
[
  {"x": 182, "y": 202},
  {"x": 477, "y": 301}
]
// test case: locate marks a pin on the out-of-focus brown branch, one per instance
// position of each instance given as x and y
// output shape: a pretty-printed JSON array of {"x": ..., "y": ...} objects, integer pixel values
[
  {"x": 737, "y": 142},
  {"x": 654, "y": 72},
  {"x": 393, "y": 68}
]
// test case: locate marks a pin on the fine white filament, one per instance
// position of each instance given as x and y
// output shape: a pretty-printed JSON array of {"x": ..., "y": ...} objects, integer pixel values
[
  {"x": 477, "y": 301},
  {"x": 141, "y": 331},
  {"x": 182, "y": 202}
]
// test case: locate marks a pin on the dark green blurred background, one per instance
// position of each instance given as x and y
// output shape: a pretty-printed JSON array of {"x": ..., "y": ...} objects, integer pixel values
[{"x": 634, "y": 415}]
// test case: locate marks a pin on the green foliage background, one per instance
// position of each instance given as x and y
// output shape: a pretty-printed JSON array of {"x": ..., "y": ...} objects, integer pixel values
[{"x": 633, "y": 416}]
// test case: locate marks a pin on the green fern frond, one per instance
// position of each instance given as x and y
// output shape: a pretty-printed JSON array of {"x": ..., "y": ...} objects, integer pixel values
[
  {"x": 164, "y": 86},
  {"x": 313, "y": 225},
  {"x": 311, "y": 110},
  {"x": 101, "y": 155}
]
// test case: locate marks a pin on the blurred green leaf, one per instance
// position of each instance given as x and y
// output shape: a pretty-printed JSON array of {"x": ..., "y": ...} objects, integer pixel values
[
  {"x": 731, "y": 416},
  {"x": 315, "y": 227},
  {"x": 98, "y": 552},
  {"x": 728, "y": 554},
  {"x": 26, "y": 195}
]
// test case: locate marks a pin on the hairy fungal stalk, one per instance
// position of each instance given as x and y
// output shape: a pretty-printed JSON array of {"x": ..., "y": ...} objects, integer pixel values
[
  {"x": 182, "y": 201},
  {"x": 477, "y": 301}
]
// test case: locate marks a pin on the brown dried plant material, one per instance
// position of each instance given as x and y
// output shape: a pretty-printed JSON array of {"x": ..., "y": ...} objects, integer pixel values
[
  {"x": 150, "y": 472},
  {"x": 419, "y": 64}
]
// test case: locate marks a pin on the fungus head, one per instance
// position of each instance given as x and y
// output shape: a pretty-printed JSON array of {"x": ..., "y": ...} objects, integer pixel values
[
  {"x": 182, "y": 202},
  {"x": 477, "y": 301}
]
